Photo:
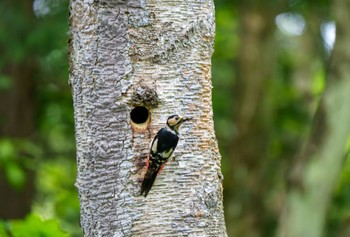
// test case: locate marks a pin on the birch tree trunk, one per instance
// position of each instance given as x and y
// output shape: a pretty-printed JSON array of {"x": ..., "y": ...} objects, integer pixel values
[
  {"x": 134, "y": 63},
  {"x": 320, "y": 164}
]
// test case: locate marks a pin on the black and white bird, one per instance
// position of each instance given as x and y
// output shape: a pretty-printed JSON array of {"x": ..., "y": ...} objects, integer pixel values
[{"x": 162, "y": 146}]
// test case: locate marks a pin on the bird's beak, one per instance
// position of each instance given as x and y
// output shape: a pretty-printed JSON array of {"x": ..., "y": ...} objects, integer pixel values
[
  {"x": 184, "y": 119},
  {"x": 181, "y": 119}
]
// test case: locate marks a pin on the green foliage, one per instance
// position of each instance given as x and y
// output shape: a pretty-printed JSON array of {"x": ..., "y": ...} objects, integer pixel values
[
  {"x": 5, "y": 82},
  {"x": 223, "y": 77},
  {"x": 318, "y": 83},
  {"x": 226, "y": 35},
  {"x": 3, "y": 229},
  {"x": 32, "y": 226},
  {"x": 14, "y": 174},
  {"x": 14, "y": 160},
  {"x": 58, "y": 197}
]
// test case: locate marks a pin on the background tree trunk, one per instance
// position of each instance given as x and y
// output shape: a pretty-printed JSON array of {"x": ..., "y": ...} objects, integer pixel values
[
  {"x": 18, "y": 119},
  {"x": 127, "y": 56},
  {"x": 18, "y": 122},
  {"x": 321, "y": 161},
  {"x": 249, "y": 146}
]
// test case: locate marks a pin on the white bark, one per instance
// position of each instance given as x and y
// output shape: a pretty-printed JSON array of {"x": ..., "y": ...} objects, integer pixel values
[{"x": 154, "y": 54}]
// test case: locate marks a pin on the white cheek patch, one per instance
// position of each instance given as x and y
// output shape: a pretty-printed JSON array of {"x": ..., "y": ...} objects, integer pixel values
[{"x": 172, "y": 122}]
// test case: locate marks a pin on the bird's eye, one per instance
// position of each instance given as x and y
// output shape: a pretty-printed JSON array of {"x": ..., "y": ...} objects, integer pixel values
[{"x": 176, "y": 118}]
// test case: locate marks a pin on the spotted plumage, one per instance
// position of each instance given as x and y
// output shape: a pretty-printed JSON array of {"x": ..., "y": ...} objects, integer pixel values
[{"x": 162, "y": 146}]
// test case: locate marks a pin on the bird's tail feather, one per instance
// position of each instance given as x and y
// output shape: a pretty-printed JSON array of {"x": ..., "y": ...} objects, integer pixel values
[{"x": 147, "y": 182}]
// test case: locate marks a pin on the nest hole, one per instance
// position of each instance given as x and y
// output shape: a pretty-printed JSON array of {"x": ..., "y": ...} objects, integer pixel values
[{"x": 140, "y": 118}]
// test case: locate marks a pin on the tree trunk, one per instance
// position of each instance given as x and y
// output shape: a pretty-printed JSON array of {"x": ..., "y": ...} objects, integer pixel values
[
  {"x": 17, "y": 114},
  {"x": 134, "y": 63},
  {"x": 18, "y": 122},
  {"x": 248, "y": 149},
  {"x": 313, "y": 181}
]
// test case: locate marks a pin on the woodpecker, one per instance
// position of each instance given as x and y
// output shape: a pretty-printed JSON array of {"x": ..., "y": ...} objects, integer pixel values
[{"x": 162, "y": 146}]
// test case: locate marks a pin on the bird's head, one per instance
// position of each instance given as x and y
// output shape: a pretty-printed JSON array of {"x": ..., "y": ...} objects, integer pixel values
[{"x": 174, "y": 121}]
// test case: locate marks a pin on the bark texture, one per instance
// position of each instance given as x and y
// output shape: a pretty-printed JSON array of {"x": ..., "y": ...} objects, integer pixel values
[
  {"x": 157, "y": 55},
  {"x": 309, "y": 197}
]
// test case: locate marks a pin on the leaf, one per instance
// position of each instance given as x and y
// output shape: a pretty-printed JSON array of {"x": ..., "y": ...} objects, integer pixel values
[
  {"x": 5, "y": 82},
  {"x": 34, "y": 226},
  {"x": 15, "y": 175}
]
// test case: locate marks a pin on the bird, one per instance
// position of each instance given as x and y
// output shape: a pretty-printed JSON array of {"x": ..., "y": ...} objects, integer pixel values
[{"x": 162, "y": 147}]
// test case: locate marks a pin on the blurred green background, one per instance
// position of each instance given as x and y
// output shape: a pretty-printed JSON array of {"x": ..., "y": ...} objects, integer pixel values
[{"x": 269, "y": 70}]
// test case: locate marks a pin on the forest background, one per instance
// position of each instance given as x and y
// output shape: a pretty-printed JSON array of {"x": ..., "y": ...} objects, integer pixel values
[{"x": 269, "y": 70}]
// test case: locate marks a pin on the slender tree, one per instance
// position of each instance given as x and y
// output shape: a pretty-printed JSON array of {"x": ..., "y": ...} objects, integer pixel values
[
  {"x": 17, "y": 110},
  {"x": 255, "y": 60},
  {"x": 320, "y": 162},
  {"x": 134, "y": 63}
]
